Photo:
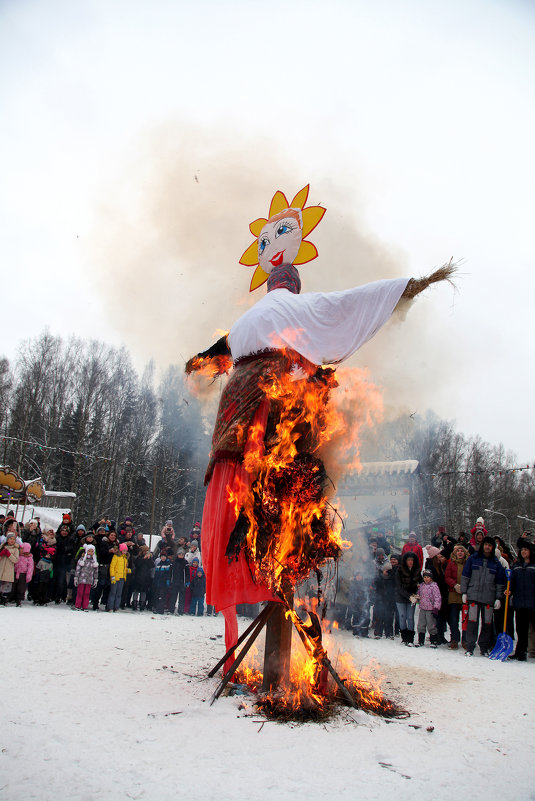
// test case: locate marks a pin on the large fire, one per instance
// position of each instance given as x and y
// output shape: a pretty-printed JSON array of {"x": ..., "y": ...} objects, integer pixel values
[
  {"x": 312, "y": 693},
  {"x": 288, "y": 528}
]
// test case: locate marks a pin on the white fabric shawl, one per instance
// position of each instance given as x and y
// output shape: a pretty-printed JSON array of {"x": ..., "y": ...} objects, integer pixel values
[{"x": 324, "y": 327}]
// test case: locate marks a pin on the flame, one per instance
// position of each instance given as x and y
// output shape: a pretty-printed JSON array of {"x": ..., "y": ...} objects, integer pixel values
[
  {"x": 311, "y": 692},
  {"x": 287, "y": 527},
  {"x": 286, "y": 522}
]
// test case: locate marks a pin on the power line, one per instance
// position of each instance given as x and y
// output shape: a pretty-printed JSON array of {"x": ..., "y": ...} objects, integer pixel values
[{"x": 43, "y": 447}]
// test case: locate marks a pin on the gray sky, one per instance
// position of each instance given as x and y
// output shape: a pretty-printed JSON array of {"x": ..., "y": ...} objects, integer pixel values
[{"x": 139, "y": 139}]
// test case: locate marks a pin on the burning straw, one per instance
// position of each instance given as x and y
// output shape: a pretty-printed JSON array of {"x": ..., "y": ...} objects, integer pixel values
[{"x": 316, "y": 692}]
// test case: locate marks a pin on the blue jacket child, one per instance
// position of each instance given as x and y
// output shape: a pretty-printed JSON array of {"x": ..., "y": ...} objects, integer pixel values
[
  {"x": 161, "y": 584},
  {"x": 198, "y": 591}
]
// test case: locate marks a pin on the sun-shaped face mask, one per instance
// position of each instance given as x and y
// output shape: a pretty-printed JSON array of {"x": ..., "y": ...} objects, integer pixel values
[{"x": 281, "y": 237}]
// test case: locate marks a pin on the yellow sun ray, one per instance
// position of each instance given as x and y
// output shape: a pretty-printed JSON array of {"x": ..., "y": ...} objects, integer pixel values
[
  {"x": 256, "y": 226},
  {"x": 311, "y": 217},
  {"x": 250, "y": 257},
  {"x": 306, "y": 252},
  {"x": 259, "y": 278},
  {"x": 278, "y": 203},
  {"x": 301, "y": 198}
]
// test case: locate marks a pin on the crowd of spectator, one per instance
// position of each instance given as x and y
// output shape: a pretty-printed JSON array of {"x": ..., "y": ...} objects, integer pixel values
[
  {"x": 105, "y": 567},
  {"x": 454, "y": 586},
  {"x": 459, "y": 584}
]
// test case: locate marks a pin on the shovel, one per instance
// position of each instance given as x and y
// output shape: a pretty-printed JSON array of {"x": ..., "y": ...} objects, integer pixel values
[{"x": 504, "y": 643}]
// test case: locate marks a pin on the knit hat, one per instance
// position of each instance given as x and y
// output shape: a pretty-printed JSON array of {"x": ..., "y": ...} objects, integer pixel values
[
  {"x": 128, "y": 520},
  {"x": 181, "y": 552},
  {"x": 480, "y": 520},
  {"x": 100, "y": 528},
  {"x": 123, "y": 547},
  {"x": 26, "y": 547},
  {"x": 67, "y": 518},
  {"x": 168, "y": 522},
  {"x": 194, "y": 560},
  {"x": 427, "y": 573},
  {"x": 432, "y": 551},
  {"x": 380, "y": 552},
  {"x": 89, "y": 546},
  {"x": 81, "y": 527}
]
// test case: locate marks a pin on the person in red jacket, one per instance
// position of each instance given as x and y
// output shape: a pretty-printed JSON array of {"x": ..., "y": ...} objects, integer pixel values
[{"x": 411, "y": 546}]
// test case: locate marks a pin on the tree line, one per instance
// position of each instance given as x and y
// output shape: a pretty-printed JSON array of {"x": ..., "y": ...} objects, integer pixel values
[
  {"x": 100, "y": 430},
  {"x": 128, "y": 447},
  {"x": 458, "y": 478}
]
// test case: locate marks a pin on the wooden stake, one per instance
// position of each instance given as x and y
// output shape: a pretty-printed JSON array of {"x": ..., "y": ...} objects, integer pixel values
[{"x": 278, "y": 648}]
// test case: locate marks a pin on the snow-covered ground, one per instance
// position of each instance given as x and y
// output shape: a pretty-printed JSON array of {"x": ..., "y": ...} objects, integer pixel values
[{"x": 116, "y": 706}]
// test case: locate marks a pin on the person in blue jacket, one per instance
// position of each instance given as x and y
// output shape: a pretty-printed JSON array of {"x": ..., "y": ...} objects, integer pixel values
[
  {"x": 523, "y": 592},
  {"x": 482, "y": 588}
]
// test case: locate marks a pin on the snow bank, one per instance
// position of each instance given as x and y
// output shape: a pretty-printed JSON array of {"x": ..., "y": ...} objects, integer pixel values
[{"x": 89, "y": 702}]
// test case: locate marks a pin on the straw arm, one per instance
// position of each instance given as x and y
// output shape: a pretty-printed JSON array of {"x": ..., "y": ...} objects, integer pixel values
[{"x": 417, "y": 285}]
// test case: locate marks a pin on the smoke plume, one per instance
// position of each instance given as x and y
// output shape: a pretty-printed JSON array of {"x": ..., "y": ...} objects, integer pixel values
[{"x": 173, "y": 227}]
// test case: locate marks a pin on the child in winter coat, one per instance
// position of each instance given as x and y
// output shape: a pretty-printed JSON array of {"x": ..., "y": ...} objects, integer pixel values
[
  {"x": 193, "y": 567},
  {"x": 452, "y": 575},
  {"x": 118, "y": 571},
  {"x": 198, "y": 590},
  {"x": 9, "y": 556},
  {"x": 359, "y": 604},
  {"x": 44, "y": 569},
  {"x": 143, "y": 573},
  {"x": 23, "y": 573},
  {"x": 86, "y": 576},
  {"x": 430, "y": 601},
  {"x": 161, "y": 583}
]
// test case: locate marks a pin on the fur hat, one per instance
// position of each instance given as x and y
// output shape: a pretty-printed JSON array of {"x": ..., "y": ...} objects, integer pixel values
[
  {"x": 88, "y": 546},
  {"x": 123, "y": 547},
  {"x": 432, "y": 551}
]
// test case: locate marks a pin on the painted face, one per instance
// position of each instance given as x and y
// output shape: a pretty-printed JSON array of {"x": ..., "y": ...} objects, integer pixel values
[{"x": 279, "y": 241}]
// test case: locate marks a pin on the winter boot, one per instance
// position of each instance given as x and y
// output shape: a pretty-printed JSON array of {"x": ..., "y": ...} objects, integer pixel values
[
  {"x": 434, "y": 640},
  {"x": 410, "y": 636},
  {"x": 421, "y": 639},
  {"x": 405, "y": 636},
  {"x": 453, "y": 646},
  {"x": 134, "y": 606}
]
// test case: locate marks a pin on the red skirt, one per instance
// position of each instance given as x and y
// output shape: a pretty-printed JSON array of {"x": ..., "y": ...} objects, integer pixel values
[{"x": 228, "y": 584}]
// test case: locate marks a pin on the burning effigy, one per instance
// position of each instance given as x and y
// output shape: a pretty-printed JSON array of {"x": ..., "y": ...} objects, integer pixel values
[{"x": 268, "y": 523}]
